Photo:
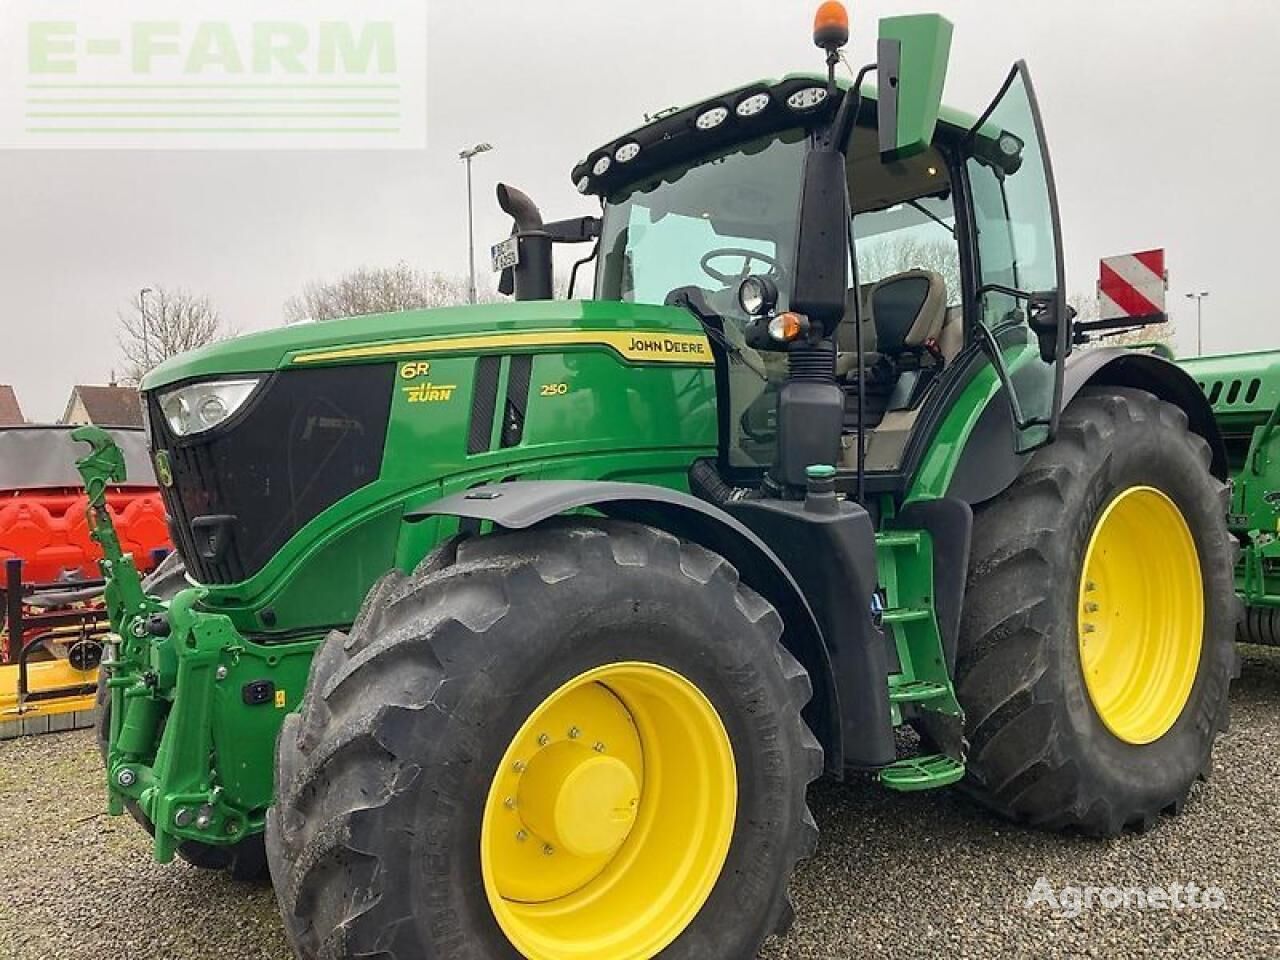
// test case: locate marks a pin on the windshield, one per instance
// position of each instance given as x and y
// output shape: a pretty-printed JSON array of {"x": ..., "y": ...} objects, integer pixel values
[{"x": 708, "y": 225}]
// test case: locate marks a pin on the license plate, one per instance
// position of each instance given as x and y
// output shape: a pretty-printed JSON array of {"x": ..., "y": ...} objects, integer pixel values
[{"x": 506, "y": 254}]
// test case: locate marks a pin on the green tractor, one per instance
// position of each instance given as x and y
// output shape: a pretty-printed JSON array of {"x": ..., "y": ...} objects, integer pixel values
[
  {"x": 522, "y": 629},
  {"x": 1244, "y": 390}
]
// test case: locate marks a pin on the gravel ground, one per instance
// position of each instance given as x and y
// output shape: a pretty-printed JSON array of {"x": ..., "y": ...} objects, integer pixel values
[{"x": 915, "y": 876}]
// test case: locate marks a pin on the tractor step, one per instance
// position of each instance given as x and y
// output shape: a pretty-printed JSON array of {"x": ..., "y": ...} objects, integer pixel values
[
  {"x": 921, "y": 773},
  {"x": 917, "y": 691}
]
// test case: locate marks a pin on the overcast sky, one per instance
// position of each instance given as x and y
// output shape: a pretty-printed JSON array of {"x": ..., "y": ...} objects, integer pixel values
[{"x": 1161, "y": 119}]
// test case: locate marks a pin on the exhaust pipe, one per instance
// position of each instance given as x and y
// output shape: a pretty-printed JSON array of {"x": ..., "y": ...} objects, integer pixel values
[{"x": 530, "y": 279}]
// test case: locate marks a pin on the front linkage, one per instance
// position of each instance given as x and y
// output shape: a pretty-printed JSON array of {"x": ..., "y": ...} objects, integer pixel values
[{"x": 158, "y": 653}]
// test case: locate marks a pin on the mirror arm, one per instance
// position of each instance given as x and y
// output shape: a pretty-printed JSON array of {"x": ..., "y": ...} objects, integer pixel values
[
  {"x": 575, "y": 230},
  {"x": 1049, "y": 334},
  {"x": 850, "y": 106}
]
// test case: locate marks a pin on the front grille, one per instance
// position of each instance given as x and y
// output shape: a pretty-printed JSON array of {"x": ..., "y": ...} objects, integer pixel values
[{"x": 307, "y": 439}]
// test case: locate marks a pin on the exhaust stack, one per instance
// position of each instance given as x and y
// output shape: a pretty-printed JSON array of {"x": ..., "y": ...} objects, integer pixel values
[{"x": 531, "y": 277}]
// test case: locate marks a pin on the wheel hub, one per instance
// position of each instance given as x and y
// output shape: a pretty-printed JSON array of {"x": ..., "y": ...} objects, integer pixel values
[{"x": 578, "y": 800}]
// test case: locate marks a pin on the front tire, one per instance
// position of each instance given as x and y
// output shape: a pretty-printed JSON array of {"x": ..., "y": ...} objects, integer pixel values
[
  {"x": 1097, "y": 636},
  {"x": 413, "y": 784}
]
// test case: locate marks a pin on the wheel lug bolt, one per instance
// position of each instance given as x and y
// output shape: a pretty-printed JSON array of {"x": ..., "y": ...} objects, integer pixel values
[
  {"x": 509, "y": 803},
  {"x": 548, "y": 849},
  {"x": 599, "y": 747},
  {"x": 521, "y": 836},
  {"x": 518, "y": 766},
  {"x": 1090, "y": 586},
  {"x": 574, "y": 733},
  {"x": 543, "y": 740},
  {"x": 1089, "y": 628},
  {"x": 1090, "y": 608}
]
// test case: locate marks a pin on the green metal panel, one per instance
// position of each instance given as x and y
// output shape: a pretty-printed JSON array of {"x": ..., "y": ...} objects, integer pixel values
[
  {"x": 583, "y": 400},
  {"x": 1244, "y": 391},
  {"x": 925, "y": 41},
  {"x": 938, "y": 466}
]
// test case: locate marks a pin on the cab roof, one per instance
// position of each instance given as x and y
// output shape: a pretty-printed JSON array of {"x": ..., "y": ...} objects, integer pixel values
[{"x": 675, "y": 136}]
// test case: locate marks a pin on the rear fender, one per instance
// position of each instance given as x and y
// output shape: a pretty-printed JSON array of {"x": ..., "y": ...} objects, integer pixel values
[{"x": 988, "y": 465}]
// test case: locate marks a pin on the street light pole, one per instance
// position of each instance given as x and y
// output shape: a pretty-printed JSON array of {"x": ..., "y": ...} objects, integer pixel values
[
  {"x": 1199, "y": 299},
  {"x": 467, "y": 156},
  {"x": 142, "y": 308}
]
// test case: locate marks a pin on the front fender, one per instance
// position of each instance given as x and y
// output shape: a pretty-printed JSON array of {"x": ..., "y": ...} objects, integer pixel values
[{"x": 526, "y": 503}]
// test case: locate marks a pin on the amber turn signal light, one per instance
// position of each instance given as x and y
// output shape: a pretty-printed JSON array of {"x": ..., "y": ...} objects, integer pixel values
[{"x": 787, "y": 327}]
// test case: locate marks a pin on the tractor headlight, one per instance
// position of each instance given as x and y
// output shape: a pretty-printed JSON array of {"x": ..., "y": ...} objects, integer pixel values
[
  {"x": 201, "y": 406},
  {"x": 757, "y": 296}
]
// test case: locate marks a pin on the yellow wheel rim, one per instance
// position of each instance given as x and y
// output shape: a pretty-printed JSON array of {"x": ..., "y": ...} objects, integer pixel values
[
  {"x": 1141, "y": 615},
  {"x": 610, "y": 816}
]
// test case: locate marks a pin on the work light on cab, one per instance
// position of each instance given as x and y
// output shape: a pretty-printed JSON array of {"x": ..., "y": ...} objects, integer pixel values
[
  {"x": 202, "y": 406},
  {"x": 712, "y": 118},
  {"x": 753, "y": 105},
  {"x": 807, "y": 98}
]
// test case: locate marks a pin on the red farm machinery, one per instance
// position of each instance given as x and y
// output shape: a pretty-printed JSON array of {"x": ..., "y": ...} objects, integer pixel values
[{"x": 52, "y": 623}]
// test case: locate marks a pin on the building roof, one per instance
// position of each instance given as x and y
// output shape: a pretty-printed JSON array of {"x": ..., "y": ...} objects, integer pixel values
[
  {"x": 10, "y": 411},
  {"x": 111, "y": 406}
]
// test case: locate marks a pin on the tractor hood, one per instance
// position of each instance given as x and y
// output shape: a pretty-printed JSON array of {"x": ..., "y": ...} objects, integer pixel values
[{"x": 384, "y": 336}]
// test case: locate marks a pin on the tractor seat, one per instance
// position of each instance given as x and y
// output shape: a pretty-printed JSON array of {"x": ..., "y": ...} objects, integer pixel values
[{"x": 908, "y": 310}]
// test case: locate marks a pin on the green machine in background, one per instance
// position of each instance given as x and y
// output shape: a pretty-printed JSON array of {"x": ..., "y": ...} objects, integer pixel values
[
  {"x": 523, "y": 628},
  {"x": 1244, "y": 390}
]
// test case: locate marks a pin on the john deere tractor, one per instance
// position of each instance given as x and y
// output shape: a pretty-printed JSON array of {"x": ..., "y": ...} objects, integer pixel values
[{"x": 549, "y": 612}]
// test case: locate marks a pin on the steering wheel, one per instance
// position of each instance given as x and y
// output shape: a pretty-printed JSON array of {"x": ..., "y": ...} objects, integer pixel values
[{"x": 748, "y": 257}]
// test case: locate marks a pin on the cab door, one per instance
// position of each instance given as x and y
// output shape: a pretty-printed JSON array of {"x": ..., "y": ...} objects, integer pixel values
[{"x": 1020, "y": 298}]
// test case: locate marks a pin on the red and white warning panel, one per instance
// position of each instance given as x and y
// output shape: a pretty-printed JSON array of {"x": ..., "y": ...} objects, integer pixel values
[{"x": 1133, "y": 286}]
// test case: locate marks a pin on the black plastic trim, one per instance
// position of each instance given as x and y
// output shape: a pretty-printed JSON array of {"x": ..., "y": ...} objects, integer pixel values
[
  {"x": 519, "y": 377},
  {"x": 484, "y": 402}
]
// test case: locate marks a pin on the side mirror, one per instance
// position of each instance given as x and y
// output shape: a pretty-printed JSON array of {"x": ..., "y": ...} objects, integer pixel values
[
  {"x": 821, "y": 272},
  {"x": 912, "y": 66},
  {"x": 1049, "y": 317}
]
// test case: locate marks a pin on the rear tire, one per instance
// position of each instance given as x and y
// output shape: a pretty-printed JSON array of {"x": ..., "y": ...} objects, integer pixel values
[
  {"x": 245, "y": 861},
  {"x": 1041, "y": 750},
  {"x": 376, "y": 840}
]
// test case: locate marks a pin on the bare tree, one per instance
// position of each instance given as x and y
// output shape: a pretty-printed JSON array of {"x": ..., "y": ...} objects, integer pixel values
[
  {"x": 880, "y": 258},
  {"x": 163, "y": 323},
  {"x": 368, "y": 290}
]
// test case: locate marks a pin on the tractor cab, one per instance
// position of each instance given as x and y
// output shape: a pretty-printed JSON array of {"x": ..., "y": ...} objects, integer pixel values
[{"x": 942, "y": 260}]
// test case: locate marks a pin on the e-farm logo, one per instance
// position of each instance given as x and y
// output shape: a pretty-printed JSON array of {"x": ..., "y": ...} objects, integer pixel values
[{"x": 269, "y": 74}]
